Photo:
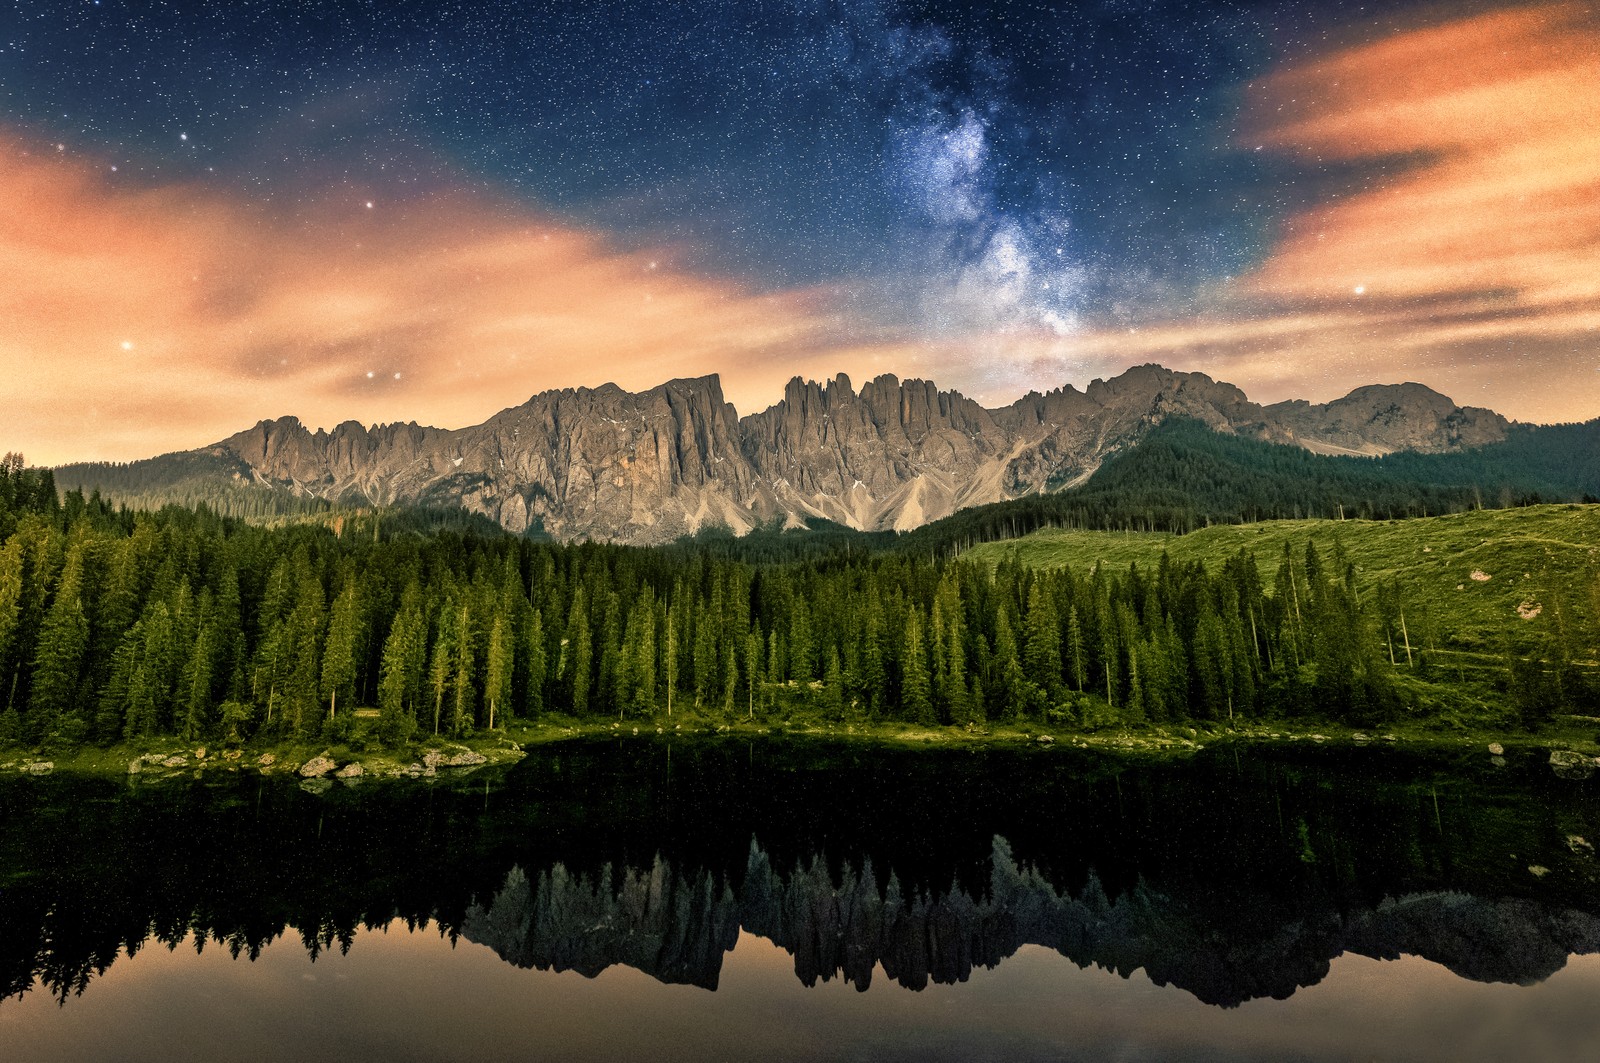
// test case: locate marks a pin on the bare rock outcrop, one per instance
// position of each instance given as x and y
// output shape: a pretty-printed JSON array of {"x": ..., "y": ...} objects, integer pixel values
[{"x": 605, "y": 463}]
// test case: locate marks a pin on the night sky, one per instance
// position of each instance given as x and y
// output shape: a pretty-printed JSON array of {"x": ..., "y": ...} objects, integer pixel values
[{"x": 213, "y": 213}]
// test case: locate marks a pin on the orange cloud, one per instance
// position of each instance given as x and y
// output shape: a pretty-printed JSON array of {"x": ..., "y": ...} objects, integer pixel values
[
  {"x": 1474, "y": 268},
  {"x": 1504, "y": 109},
  {"x": 135, "y": 320},
  {"x": 139, "y": 320}
]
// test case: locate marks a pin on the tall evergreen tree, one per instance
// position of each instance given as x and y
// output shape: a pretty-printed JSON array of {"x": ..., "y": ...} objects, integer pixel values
[
  {"x": 57, "y": 703},
  {"x": 915, "y": 690},
  {"x": 339, "y": 654},
  {"x": 498, "y": 666}
]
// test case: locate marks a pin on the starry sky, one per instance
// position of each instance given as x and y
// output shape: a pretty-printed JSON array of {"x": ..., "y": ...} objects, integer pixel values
[{"x": 214, "y": 213}]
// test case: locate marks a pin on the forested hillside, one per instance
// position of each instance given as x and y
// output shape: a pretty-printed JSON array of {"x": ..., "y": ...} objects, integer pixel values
[
  {"x": 1184, "y": 476},
  {"x": 194, "y": 478},
  {"x": 115, "y": 625}
]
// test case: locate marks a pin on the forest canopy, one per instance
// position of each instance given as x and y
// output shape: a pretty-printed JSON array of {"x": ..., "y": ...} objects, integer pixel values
[{"x": 119, "y": 625}]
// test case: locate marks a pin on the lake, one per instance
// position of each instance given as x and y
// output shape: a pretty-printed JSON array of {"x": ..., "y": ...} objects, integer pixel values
[{"x": 786, "y": 899}]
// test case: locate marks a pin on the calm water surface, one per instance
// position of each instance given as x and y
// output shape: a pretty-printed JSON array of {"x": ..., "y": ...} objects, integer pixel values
[{"x": 728, "y": 900}]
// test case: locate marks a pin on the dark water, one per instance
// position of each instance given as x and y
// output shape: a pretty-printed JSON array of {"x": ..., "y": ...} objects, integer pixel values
[{"x": 729, "y": 900}]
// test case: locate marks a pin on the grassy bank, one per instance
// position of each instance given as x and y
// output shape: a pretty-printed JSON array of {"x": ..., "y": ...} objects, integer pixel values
[
  {"x": 156, "y": 761},
  {"x": 1478, "y": 577},
  {"x": 1479, "y": 590}
]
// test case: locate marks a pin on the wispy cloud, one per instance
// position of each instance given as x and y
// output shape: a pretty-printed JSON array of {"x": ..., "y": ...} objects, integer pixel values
[
  {"x": 1474, "y": 266},
  {"x": 143, "y": 319}
]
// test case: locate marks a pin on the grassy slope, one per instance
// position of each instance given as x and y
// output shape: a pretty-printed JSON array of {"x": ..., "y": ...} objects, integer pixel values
[{"x": 1533, "y": 556}]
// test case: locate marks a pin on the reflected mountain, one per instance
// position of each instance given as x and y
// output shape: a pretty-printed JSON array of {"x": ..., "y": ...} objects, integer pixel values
[
  {"x": 1234, "y": 875},
  {"x": 677, "y": 928}
]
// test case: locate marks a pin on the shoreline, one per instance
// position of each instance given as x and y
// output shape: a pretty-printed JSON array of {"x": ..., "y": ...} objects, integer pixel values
[{"x": 319, "y": 765}]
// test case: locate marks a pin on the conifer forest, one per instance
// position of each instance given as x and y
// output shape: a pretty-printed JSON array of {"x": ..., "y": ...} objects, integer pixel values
[{"x": 117, "y": 625}]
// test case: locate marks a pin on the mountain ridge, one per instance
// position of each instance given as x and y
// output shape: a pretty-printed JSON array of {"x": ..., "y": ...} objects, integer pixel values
[{"x": 649, "y": 466}]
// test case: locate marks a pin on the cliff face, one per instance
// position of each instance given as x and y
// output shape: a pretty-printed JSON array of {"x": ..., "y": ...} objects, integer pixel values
[{"x": 608, "y": 464}]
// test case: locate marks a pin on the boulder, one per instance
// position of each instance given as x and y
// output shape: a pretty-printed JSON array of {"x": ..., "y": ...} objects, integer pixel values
[
  {"x": 267, "y": 760},
  {"x": 175, "y": 762},
  {"x": 353, "y": 770},
  {"x": 135, "y": 766},
  {"x": 1496, "y": 749},
  {"x": 40, "y": 767},
  {"x": 465, "y": 759},
  {"x": 317, "y": 767},
  {"x": 1569, "y": 764}
]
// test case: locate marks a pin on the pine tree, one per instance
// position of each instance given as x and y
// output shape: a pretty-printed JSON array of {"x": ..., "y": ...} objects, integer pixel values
[
  {"x": 752, "y": 667},
  {"x": 58, "y": 665},
  {"x": 197, "y": 682},
  {"x": 705, "y": 654},
  {"x": 874, "y": 650},
  {"x": 339, "y": 654},
  {"x": 800, "y": 648},
  {"x": 402, "y": 668},
  {"x": 1075, "y": 647},
  {"x": 1041, "y": 654},
  {"x": 576, "y": 655},
  {"x": 610, "y": 654},
  {"x": 1017, "y": 692},
  {"x": 464, "y": 673},
  {"x": 670, "y": 653},
  {"x": 534, "y": 663},
  {"x": 442, "y": 662},
  {"x": 148, "y": 688},
  {"x": 498, "y": 667},
  {"x": 305, "y": 631},
  {"x": 915, "y": 694},
  {"x": 833, "y": 685},
  {"x": 11, "y": 600}
]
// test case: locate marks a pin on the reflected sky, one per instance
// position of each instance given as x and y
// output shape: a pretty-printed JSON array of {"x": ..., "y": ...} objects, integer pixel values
[{"x": 401, "y": 995}]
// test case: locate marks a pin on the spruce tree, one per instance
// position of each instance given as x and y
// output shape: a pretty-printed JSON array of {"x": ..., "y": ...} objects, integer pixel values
[
  {"x": 576, "y": 654},
  {"x": 497, "y": 668},
  {"x": 56, "y": 703},
  {"x": 1042, "y": 641},
  {"x": 339, "y": 653},
  {"x": 915, "y": 693},
  {"x": 535, "y": 663}
]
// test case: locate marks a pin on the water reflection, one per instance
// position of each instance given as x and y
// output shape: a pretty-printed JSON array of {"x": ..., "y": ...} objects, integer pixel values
[
  {"x": 1232, "y": 876},
  {"x": 677, "y": 928}
]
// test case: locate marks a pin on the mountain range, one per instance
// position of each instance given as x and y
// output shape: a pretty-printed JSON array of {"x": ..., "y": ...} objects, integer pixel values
[{"x": 608, "y": 464}]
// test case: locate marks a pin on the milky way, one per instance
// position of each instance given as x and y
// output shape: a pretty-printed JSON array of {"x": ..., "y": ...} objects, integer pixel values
[{"x": 214, "y": 213}]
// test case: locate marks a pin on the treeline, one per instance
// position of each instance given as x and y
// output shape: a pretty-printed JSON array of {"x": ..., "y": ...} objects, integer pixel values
[{"x": 222, "y": 484}]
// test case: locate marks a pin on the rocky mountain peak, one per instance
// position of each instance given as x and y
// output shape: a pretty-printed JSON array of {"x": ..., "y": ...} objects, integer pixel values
[{"x": 646, "y": 467}]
